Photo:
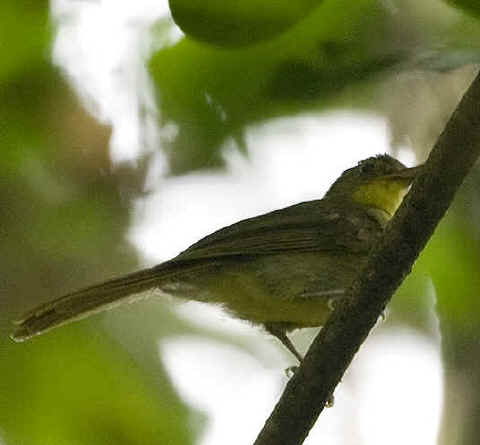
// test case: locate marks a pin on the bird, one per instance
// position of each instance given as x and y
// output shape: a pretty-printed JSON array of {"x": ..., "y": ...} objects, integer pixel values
[{"x": 282, "y": 270}]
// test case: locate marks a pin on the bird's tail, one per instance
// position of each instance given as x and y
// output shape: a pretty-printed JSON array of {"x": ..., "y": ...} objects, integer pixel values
[{"x": 87, "y": 301}]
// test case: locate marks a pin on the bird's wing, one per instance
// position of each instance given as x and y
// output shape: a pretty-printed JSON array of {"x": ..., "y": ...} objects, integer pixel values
[{"x": 306, "y": 227}]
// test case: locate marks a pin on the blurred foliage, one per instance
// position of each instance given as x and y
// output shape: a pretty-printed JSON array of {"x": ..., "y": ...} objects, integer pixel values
[
  {"x": 422, "y": 104},
  {"x": 332, "y": 57},
  {"x": 34, "y": 30},
  {"x": 234, "y": 23},
  {"x": 78, "y": 387},
  {"x": 212, "y": 94},
  {"x": 63, "y": 216},
  {"x": 453, "y": 260},
  {"x": 470, "y": 6}
]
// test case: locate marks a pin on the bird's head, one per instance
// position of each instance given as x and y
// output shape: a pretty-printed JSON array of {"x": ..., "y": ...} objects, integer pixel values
[{"x": 378, "y": 182}]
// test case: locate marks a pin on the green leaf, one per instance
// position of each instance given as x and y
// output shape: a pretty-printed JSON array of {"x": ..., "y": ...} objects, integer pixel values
[
  {"x": 25, "y": 34},
  {"x": 75, "y": 386},
  {"x": 212, "y": 94},
  {"x": 238, "y": 23},
  {"x": 469, "y": 6}
]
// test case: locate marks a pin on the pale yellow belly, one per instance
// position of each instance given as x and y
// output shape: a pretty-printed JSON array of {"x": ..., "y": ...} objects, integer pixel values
[{"x": 298, "y": 289}]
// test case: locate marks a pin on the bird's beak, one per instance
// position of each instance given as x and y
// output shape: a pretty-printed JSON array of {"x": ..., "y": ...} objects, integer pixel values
[{"x": 408, "y": 174}]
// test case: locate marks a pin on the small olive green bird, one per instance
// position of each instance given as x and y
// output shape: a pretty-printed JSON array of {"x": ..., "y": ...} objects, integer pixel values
[{"x": 283, "y": 270}]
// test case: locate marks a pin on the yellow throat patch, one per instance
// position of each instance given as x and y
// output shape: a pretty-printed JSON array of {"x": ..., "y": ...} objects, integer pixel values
[{"x": 384, "y": 193}]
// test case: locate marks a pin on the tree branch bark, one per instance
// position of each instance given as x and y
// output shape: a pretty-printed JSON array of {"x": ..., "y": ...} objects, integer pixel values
[{"x": 306, "y": 394}]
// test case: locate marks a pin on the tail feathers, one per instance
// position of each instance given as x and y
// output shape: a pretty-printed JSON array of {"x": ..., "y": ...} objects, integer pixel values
[{"x": 85, "y": 302}]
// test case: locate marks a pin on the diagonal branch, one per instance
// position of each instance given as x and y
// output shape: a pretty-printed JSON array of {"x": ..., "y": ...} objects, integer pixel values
[{"x": 305, "y": 395}]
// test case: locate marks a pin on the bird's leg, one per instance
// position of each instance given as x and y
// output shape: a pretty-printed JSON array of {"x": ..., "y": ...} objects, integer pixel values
[{"x": 277, "y": 331}]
